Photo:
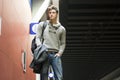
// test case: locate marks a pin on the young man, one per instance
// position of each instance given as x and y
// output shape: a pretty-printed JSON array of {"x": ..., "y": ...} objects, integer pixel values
[{"x": 55, "y": 40}]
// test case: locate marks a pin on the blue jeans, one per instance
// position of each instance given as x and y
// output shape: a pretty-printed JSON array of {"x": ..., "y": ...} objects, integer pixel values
[{"x": 56, "y": 64}]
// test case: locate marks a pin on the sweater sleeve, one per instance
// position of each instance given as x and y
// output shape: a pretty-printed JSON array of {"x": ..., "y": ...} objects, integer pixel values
[
  {"x": 38, "y": 33},
  {"x": 62, "y": 41}
]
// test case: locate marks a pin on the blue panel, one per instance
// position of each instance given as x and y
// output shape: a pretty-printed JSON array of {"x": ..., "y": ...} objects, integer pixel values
[
  {"x": 33, "y": 28},
  {"x": 31, "y": 3}
]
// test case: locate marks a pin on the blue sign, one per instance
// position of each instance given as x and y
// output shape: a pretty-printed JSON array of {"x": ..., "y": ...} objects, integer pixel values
[{"x": 33, "y": 28}]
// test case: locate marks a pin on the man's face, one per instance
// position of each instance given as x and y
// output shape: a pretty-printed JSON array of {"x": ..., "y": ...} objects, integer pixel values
[{"x": 52, "y": 14}]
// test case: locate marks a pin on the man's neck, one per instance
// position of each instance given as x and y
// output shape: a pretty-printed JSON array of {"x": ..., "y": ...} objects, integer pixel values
[{"x": 53, "y": 21}]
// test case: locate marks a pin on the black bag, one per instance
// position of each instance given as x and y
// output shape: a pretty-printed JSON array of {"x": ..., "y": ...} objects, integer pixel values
[
  {"x": 33, "y": 44},
  {"x": 40, "y": 54}
]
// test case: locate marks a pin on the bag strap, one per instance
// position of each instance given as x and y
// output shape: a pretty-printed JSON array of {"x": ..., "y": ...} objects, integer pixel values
[{"x": 44, "y": 26}]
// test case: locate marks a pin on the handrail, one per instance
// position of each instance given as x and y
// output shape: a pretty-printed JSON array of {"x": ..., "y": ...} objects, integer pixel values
[
  {"x": 41, "y": 11},
  {"x": 113, "y": 75}
]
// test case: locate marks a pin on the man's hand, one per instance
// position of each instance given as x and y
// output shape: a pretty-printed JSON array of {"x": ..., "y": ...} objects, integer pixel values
[{"x": 58, "y": 55}]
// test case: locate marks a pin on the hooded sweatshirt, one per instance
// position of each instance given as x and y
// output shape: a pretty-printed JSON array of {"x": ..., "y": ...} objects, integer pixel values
[{"x": 54, "y": 36}]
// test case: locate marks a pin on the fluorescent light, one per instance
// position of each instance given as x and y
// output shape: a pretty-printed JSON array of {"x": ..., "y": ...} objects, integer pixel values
[{"x": 41, "y": 11}]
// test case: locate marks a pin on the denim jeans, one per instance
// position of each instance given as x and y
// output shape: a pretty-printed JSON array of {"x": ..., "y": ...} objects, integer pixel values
[{"x": 56, "y": 64}]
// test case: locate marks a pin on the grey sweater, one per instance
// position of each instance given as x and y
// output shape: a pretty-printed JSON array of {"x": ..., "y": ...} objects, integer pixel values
[{"x": 54, "y": 36}]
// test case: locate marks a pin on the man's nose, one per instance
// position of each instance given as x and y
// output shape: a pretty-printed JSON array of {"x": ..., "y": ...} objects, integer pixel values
[{"x": 51, "y": 14}]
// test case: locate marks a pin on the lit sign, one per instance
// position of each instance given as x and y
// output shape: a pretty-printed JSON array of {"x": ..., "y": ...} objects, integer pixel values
[{"x": 33, "y": 28}]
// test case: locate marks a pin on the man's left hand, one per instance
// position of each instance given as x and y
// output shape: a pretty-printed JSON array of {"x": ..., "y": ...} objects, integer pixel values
[{"x": 57, "y": 55}]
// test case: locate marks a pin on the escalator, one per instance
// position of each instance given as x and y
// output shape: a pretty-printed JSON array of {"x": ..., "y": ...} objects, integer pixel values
[{"x": 93, "y": 38}]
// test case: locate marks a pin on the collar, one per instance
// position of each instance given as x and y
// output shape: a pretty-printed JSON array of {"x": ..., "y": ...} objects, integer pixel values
[{"x": 55, "y": 25}]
